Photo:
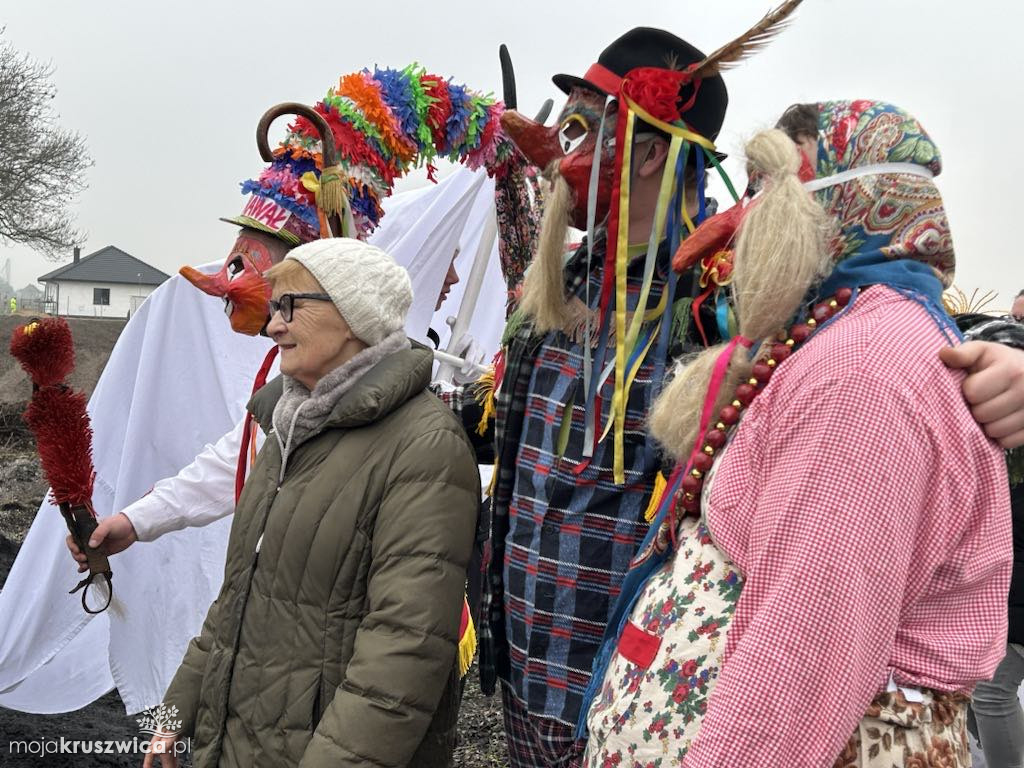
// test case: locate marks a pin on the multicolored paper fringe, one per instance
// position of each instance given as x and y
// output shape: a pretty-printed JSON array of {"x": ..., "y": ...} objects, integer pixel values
[{"x": 385, "y": 123}]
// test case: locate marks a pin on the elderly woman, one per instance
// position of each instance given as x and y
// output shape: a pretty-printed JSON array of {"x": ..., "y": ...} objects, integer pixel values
[
  {"x": 333, "y": 639},
  {"x": 827, "y": 576}
]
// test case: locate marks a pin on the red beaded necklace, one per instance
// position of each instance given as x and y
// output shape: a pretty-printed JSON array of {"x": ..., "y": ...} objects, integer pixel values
[{"x": 701, "y": 461}]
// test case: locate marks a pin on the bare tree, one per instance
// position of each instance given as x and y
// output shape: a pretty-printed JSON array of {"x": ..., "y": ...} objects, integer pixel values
[{"x": 42, "y": 165}]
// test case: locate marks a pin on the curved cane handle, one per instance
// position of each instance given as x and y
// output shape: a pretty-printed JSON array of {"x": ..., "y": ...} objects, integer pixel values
[{"x": 328, "y": 149}]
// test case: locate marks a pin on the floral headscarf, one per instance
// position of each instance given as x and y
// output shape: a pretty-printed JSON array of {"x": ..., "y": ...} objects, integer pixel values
[{"x": 898, "y": 215}]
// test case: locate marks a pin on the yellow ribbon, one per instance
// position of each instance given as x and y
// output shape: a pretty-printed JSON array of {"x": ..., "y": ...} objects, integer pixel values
[
  {"x": 620, "y": 397},
  {"x": 690, "y": 226},
  {"x": 312, "y": 183},
  {"x": 660, "y": 483},
  {"x": 621, "y": 262},
  {"x": 673, "y": 130},
  {"x": 624, "y": 379},
  {"x": 668, "y": 178}
]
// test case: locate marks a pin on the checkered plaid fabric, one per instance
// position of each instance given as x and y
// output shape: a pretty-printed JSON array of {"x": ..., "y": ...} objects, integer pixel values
[
  {"x": 537, "y": 742},
  {"x": 562, "y": 536}
]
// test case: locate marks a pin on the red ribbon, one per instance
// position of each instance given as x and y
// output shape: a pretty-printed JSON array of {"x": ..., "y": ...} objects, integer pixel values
[
  {"x": 603, "y": 78},
  {"x": 717, "y": 377},
  {"x": 243, "y": 453}
]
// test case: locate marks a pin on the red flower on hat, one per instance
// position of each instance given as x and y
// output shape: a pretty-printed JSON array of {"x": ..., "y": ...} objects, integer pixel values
[{"x": 656, "y": 90}]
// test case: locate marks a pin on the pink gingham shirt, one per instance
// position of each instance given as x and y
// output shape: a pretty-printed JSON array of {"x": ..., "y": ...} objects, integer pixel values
[{"x": 870, "y": 518}]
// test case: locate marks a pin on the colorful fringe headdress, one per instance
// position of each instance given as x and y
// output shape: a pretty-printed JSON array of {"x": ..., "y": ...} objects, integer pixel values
[{"x": 383, "y": 123}]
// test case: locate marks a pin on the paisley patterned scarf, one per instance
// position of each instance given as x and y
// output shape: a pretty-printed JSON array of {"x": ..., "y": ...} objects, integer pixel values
[{"x": 893, "y": 216}]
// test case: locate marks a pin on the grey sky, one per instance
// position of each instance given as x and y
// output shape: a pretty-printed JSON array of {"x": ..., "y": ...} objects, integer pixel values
[{"x": 167, "y": 95}]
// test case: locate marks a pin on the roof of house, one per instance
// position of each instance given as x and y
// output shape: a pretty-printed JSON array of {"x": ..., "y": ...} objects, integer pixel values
[
  {"x": 30, "y": 290},
  {"x": 107, "y": 265}
]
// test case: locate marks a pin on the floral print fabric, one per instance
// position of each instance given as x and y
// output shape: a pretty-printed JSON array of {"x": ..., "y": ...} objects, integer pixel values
[
  {"x": 655, "y": 691},
  {"x": 896, "y": 733},
  {"x": 649, "y": 710}
]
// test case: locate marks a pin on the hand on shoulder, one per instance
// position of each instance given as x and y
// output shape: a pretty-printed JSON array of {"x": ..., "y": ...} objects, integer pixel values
[{"x": 994, "y": 387}]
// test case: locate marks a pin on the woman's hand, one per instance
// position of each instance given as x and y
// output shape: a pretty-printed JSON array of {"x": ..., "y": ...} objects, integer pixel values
[
  {"x": 994, "y": 387},
  {"x": 162, "y": 745}
]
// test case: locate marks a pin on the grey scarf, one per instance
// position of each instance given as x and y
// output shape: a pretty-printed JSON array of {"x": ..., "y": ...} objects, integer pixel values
[{"x": 300, "y": 414}]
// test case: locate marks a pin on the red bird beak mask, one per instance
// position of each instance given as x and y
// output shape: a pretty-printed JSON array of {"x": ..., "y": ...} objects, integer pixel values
[
  {"x": 571, "y": 144},
  {"x": 240, "y": 283}
]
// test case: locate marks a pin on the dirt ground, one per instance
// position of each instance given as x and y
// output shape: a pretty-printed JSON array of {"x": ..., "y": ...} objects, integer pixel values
[{"x": 22, "y": 486}]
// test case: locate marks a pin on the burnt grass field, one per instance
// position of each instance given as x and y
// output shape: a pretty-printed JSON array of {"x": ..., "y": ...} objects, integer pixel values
[{"x": 22, "y": 487}]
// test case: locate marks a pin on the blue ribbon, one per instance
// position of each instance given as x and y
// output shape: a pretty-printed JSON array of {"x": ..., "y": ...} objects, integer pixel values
[{"x": 722, "y": 315}]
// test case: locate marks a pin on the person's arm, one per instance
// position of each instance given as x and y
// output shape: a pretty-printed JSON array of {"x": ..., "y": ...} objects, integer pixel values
[
  {"x": 201, "y": 493},
  {"x": 839, "y": 490},
  {"x": 405, "y": 647},
  {"x": 198, "y": 495},
  {"x": 994, "y": 387}
]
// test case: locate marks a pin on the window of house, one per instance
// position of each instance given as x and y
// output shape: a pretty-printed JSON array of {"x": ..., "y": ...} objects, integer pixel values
[{"x": 101, "y": 296}]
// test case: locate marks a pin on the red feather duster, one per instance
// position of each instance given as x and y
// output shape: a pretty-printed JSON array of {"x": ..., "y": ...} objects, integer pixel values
[
  {"x": 56, "y": 415},
  {"x": 45, "y": 350}
]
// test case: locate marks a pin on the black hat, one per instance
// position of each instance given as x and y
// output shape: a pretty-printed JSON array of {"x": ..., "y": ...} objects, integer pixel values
[{"x": 649, "y": 47}]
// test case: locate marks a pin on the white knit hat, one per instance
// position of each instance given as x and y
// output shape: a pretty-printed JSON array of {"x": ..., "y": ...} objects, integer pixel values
[{"x": 369, "y": 289}]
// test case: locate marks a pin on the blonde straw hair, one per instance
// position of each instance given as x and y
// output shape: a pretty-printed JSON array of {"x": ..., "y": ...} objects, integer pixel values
[
  {"x": 544, "y": 299},
  {"x": 780, "y": 255}
]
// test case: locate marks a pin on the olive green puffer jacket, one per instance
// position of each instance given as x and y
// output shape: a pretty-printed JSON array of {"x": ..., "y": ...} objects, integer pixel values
[{"x": 335, "y": 644}]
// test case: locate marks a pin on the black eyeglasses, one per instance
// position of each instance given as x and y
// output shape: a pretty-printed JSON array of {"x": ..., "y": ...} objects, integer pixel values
[{"x": 285, "y": 303}]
